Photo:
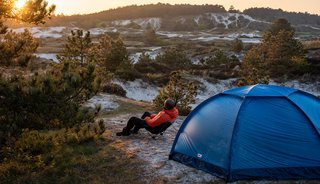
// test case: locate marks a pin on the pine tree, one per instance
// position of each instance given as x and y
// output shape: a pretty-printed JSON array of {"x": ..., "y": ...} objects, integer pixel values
[
  {"x": 279, "y": 48},
  {"x": 184, "y": 94},
  {"x": 34, "y": 11},
  {"x": 112, "y": 54},
  {"x": 233, "y": 10},
  {"x": 78, "y": 48},
  {"x": 51, "y": 99},
  {"x": 48, "y": 100},
  {"x": 16, "y": 49},
  {"x": 278, "y": 55},
  {"x": 253, "y": 69}
]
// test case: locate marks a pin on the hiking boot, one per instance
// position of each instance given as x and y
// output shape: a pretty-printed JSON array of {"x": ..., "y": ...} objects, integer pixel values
[{"x": 122, "y": 133}]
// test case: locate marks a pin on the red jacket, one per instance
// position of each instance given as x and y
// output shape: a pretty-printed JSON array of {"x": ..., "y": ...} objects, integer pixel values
[{"x": 162, "y": 116}]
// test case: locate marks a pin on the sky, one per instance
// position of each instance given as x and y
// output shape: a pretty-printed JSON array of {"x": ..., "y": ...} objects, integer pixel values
[{"x": 68, "y": 7}]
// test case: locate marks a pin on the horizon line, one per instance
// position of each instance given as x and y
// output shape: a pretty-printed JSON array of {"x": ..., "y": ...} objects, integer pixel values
[{"x": 119, "y": 7}]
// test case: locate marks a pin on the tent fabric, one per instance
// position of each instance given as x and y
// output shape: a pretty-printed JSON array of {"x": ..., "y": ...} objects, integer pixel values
[{"x": 253, "y": 132}]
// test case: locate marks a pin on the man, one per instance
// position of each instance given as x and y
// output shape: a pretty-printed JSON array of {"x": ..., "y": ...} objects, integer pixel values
[{"x": 148, "y": 120}]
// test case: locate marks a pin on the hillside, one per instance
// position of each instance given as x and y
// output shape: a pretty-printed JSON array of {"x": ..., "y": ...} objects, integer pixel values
[
  {"x": 268, "y": 14},
  {"x": 188, "y": 18}
]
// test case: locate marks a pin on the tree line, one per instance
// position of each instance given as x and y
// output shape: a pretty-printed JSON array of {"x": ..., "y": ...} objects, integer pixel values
[
  {"x": 156, "y": 10},
  {"x": 135, "y": 12},
  {"x": 270, "y": 15}
]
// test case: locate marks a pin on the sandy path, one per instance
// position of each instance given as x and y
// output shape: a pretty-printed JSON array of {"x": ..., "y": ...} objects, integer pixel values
[{"x": 155, "y": 153}]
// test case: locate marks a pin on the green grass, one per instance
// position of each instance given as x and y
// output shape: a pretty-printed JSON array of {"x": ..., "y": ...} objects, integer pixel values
[
  {"x": 95, "y": 161},
  {"x": 128, "y": 106}
]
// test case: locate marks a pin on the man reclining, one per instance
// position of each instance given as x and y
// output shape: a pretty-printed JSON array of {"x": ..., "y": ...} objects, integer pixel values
[{"x": 148, "y": 120}]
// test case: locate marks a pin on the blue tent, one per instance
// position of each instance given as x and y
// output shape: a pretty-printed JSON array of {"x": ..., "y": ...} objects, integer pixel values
[{"x": 253, "y": 132}]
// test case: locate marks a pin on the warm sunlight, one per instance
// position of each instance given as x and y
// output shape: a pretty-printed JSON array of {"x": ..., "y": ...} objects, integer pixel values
[{"x": 19, "y": 3}]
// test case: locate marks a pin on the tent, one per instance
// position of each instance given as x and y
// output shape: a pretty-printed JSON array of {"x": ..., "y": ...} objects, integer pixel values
[{"x": 253, "y": 132}]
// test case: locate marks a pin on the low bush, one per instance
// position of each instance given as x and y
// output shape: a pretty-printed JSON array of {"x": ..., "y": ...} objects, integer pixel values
[
  {"x": 220, "y": 75},
  {"x": 127, "y": 74},
  {"x": 113, "y": 88},
  {"x": 174, "y": 59},
  {"x": 39, "y": 150},
  {"x": 151, "y": 67},
  {"x": 74, "y": 155},
  {"x": 157, "y": 79}
]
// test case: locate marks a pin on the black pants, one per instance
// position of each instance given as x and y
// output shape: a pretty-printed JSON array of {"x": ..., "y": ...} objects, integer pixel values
[{"x": 136, "y": 123}]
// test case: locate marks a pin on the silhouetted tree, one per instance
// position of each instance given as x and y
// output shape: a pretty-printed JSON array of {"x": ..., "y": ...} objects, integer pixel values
[
  {"x": 34, "y": 11},
  {"x": 17, "y": 48},
  {"x": 233, "y": 10}
]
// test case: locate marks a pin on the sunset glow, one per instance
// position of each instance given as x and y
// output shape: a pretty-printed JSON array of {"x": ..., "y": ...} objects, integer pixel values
[
  {"x": 19, "y": 3},
  {"x": 83, "y": 6}
]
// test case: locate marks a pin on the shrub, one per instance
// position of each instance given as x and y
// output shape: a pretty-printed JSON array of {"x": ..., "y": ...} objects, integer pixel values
[
  {"x": 182, "y": 93},
  {"x": 237, "y": 45},
  {"x": 113, "y": 88},
  {"x": 127, "y": 73},
  {"x": 218, "y": 58},
  {"x": 157, "y": 79},
  {"x": 174, "y": 60},
  {"x": 219, "y": 75},
  {"x": 152, "y": 67},
  {"x": 150, "y": 35},
  {"x": 32, "y": 143}
]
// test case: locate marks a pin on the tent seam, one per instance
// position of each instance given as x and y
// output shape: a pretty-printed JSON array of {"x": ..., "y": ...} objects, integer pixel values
[
  {"x": 300, "y": 109},
  {"x": 232, "y": 138}
]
